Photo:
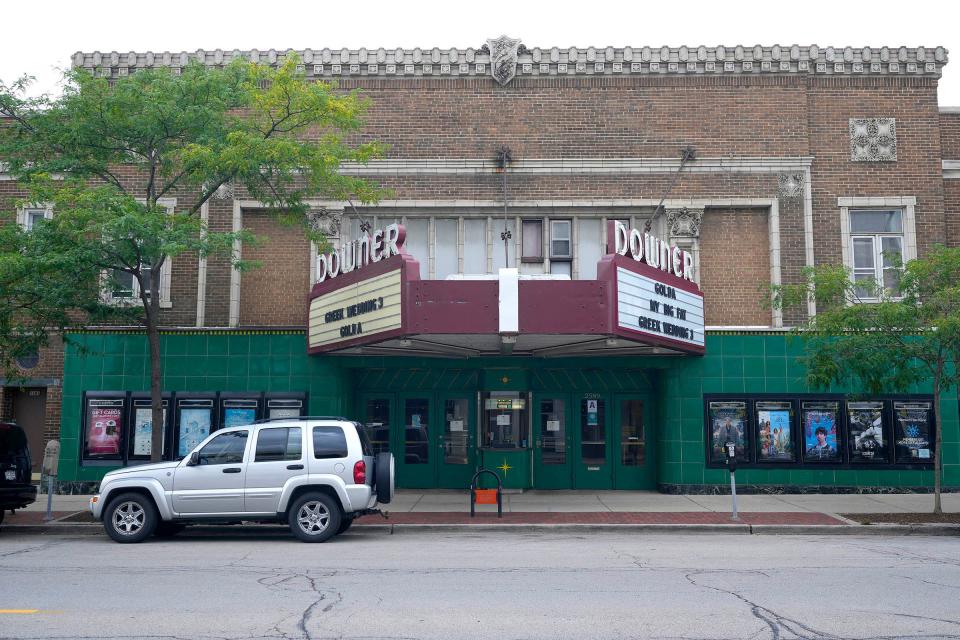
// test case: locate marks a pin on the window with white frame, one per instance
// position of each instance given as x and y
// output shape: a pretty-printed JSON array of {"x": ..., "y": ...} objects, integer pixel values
[
  {"x": 122, "y": 288},
  {"x": 29, "y": 216},
  {"x": 876, "y": 242},
  {"x": 561, "y": 247},
  {"x": 532, "y": 241}
]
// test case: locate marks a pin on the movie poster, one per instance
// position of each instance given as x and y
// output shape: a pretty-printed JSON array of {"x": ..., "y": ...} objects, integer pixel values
[
  {"x": 239, "y": 416},
  {"x": 728, "y": 423},
  {"x": 143, "y": 431},
  {"x": 774, "y": 432},
  {"x": 868, "y": 442},
  {"x": 912, "y": 423},
  {"x": 104, "y": 427},
  {"x": 194, "y": 427},
  {"x": 821, "y": 431}
]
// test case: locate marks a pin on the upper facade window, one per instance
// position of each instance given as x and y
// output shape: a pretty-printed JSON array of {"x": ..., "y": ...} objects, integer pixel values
[
  {"x": 29, "y": 216},
  {"x": 121, "y": 287},
  {"x": 877, "y": 240}
]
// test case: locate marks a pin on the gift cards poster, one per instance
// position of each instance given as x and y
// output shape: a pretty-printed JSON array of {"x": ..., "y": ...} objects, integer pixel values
[{"x": 104, "y": 426}]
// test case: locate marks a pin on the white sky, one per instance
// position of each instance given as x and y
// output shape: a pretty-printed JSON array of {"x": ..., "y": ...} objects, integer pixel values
[{"x": 39, "y": 36}]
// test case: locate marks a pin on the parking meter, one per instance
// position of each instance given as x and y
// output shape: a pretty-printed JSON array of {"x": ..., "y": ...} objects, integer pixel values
[
  {"x": 731, "y": 449},
  {"x": 51, "y": 460}
]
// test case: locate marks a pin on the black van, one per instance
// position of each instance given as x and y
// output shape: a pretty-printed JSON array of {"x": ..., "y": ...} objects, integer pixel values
[{"x": 16, "y": 491}]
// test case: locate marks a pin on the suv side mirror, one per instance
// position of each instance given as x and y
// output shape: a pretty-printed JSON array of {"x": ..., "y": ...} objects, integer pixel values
[{"x": 194, "y": 459}]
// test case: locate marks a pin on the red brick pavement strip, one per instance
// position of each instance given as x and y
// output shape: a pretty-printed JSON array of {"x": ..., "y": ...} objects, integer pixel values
[{"x": 604, "y": 517}]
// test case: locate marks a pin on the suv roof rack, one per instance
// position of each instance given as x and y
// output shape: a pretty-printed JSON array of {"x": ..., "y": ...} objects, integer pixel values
[{"x": 264, "y": 420}]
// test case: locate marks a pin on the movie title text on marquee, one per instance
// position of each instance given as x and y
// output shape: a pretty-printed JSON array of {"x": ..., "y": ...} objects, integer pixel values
[
  {"x": 365, "y": 308},
  {"x": 658, "y": 309}
]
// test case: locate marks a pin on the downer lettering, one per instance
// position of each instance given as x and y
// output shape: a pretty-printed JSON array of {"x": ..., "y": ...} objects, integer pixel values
[{"x": 354, "y": 328}]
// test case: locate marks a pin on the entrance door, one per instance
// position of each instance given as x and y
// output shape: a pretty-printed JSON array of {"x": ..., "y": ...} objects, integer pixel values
[
  {"x": 593, "y": 468},
  {"x": 552, "y": 455},
  {"x": 29, "y": 407},
  {"x": 634, "y": 464},
  {"x": 414, "y": 455},
  {"x": 456, "y": 453}
]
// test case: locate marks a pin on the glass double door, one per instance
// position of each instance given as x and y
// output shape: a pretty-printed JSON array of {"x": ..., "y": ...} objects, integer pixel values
[
  {"x": 593, "y": 441},
  {"x": 432, "y": 436}
]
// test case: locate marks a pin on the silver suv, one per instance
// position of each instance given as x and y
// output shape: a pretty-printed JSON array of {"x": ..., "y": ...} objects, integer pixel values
[{"x": 317, "y": 474}]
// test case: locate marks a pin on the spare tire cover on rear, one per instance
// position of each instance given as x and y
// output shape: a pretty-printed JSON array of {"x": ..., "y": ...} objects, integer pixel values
[{"x": 384, "y": 476}]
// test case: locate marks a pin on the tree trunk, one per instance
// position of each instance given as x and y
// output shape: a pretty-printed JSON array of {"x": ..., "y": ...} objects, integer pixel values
[
  {"x": 937, "y": 428},
  {"x": 152, "y": 316}
]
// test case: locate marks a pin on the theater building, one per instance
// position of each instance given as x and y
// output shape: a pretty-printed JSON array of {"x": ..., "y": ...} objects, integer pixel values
[{"x": 567, "y": 283}]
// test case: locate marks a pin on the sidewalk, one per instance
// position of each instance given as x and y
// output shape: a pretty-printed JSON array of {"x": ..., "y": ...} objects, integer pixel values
[{"x": 789, "y": 513}]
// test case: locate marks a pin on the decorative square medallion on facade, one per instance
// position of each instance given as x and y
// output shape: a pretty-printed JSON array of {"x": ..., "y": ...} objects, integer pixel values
[{"x": 873, "y": 139}]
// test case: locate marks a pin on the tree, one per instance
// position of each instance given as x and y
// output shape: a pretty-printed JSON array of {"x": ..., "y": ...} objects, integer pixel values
[
  {"x": 106, "y": 153},
  {"x": 899, "y": 337}
]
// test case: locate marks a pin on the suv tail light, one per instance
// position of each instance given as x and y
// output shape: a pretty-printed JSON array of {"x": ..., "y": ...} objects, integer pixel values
[{"x": 360, "y": 472}]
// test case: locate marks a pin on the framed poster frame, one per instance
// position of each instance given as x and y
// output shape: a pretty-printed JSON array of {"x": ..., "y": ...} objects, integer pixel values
[
  {"x": 771, "y": 447},
  {"x": 275, "y": 403},
  {"x": 925, "y": 426},
  {"x": 810, "y": 448},
  {"x": 192, "y": 401},
  {"x": 855, "y": 434},
  {"x": 228, "y": 401},
  {"x": 714, "y": 412},
  {"x": 141, "y": 400},
  {"x": 116, "y": 403}
]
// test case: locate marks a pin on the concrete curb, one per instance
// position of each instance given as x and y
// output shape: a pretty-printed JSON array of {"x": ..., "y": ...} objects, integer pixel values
[{"x": 72, "y": 529}]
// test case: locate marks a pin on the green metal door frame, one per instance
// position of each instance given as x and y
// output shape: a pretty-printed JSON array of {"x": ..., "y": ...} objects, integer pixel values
[
  {"x": 548, "y": 473},
  {"x": 627, "y": 475},
  {"x": 456, "y": 450},
  {"x": 415, "y": 444},
  {"x": 592, "y": 456}
]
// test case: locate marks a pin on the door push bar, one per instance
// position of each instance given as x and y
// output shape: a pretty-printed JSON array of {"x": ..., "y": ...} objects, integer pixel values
[{"x": 486, "y": 496}]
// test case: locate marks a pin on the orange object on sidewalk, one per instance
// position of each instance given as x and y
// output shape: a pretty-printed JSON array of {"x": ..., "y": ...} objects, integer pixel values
[{"x": 485, "y": 496}]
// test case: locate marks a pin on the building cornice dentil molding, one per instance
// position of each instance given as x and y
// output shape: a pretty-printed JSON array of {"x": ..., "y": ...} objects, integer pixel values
[{"x": 555, "y": 62}]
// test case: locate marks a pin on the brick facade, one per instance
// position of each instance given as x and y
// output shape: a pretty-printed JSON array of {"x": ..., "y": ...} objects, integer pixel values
[{"x": 765, "y": 117}]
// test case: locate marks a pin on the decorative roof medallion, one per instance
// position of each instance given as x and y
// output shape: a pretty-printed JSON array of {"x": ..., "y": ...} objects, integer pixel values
[{"x": 503, "y": 58}]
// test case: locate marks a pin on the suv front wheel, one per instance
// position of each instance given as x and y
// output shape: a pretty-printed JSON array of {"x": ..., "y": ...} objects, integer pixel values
[
  {"x": 315, "y": 517},
  {"x": 130, "y": 517}
]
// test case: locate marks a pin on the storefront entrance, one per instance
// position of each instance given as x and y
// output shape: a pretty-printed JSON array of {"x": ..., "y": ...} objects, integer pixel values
[
  {"x": 539, "y": 440},
  {"x": 593, "y": 441}
]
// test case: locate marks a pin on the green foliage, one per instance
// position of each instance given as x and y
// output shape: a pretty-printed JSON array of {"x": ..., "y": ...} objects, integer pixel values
[
  {"x": 110, "y": 154},
  {"x": 897, "y": 340}
]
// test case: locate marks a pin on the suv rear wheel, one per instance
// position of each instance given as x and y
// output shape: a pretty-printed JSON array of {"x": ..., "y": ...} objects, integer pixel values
[
  {"x": 130, "y": 517},
  {"x": 315, "y": 517}
]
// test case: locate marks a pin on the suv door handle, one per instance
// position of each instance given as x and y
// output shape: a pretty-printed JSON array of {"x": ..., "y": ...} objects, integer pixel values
[
  {"x": 294, "y": 467},
  {"x": 232, "y": 470}
]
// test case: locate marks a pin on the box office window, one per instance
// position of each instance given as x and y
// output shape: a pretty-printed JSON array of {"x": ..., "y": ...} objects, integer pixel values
[
  {"x": 504, "y": 424},
  {"x": 329, "y": 442},
  {"x": 279, "y": 443}
]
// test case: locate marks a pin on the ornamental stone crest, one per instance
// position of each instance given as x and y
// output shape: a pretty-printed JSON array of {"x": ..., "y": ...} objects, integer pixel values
[
  {"x": 873, "y": 139},
  {"x": 790, "y": 185},
  {"x": 684, "y": 222},
  {"x": 503, "y": 58}
]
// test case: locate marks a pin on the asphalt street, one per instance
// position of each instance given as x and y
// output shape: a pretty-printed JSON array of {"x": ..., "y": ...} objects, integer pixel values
[{"x": 371, "y": 584}]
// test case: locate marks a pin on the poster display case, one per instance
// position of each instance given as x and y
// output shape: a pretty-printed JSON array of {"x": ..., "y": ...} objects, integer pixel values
[
  {"x": 727, "y": 422},
  {"x": 868, "y": 434},
  {"x": 820, "y": 424},
  {"x": 195, "y": 421},
  {"x": 775, "y": 433},
  {"x": 103, "y": 425},
  {"x": 239, "y": 410},
  {"x": 141, "y": 427},
  {"x": 913, "y": 431}
]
